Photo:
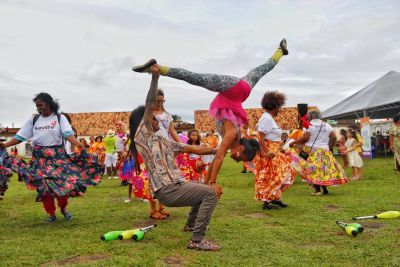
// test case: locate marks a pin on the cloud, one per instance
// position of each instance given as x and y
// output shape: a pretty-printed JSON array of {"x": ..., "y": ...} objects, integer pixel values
[{"x": 82, "y": 51}]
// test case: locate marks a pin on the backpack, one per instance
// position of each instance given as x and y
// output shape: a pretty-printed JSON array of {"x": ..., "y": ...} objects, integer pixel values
[{"x": 36, "y": 117}]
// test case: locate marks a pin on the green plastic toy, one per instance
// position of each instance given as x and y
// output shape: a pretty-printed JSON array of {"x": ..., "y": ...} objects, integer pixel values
[{"x": 113, "y": 235}]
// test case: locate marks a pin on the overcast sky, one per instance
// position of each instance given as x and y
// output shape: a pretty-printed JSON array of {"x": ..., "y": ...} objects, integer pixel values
[{"x": 82, "y": 51}]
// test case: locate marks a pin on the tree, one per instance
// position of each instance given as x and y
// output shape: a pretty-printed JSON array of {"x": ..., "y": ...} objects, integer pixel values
[{"x": 177, "y": 118}]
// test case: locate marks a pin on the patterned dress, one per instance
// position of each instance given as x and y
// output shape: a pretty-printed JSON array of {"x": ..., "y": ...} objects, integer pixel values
[
  {"x": 395, "y": 131},
  {"x": 190, "y": 165},
  {"x": 5, "y": 171},
  {"x": 321, "y": 168},
  {"x": 272, "y": 176},
  {"x": 52, "y": 170}
]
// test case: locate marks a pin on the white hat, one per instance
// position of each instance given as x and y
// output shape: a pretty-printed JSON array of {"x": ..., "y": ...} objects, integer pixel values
[{"x": 110, "y": 133}]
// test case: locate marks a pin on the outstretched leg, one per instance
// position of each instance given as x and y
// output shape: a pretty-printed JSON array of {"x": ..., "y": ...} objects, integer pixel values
[
  {"x": 257, "y": 73},
  {"x": 213, "y": 82}
]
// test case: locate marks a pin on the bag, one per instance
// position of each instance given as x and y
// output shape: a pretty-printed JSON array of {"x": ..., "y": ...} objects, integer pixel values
[{"x": 303, "y": 153}]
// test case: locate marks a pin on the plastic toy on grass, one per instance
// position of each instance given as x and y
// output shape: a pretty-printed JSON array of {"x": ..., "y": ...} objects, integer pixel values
[
  {"x": 384, "y": 215},
  {"x": 351, "y": 229}
]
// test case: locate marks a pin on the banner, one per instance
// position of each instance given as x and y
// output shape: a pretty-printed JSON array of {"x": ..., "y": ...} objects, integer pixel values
[{"x": 366, "y": 136}]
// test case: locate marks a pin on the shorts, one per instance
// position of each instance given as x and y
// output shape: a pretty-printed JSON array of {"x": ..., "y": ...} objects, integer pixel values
[{"x": 111, "y": 159}]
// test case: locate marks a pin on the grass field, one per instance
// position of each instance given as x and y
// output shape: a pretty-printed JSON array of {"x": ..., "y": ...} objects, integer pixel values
[{"x": 304, "y": 234}]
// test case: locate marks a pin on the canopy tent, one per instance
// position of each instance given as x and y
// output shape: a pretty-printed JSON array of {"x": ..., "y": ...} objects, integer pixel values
[{"x": 378, "y": 100}]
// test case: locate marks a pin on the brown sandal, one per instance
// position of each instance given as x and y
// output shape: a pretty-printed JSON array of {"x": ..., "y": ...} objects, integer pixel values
[
  {"x": 158, "y": 216},
  {"x": 164, "y": 212}
]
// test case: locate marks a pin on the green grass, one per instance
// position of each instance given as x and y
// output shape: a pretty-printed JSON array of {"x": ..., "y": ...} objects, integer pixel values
[{"x": 304, "y": 234}]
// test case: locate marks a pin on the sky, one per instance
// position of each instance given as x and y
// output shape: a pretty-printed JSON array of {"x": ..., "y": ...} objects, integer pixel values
[{"x": 82, "y": 51}]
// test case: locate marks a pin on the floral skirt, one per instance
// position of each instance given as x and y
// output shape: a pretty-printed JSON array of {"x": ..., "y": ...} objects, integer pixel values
[
  {"x": 272, "y": 176},
  {"x": 52, "y": 171},
  {"x": 321, "y": 168},
  {"x": 191, "y": 167},
  {"x": 5, "y": 171}
]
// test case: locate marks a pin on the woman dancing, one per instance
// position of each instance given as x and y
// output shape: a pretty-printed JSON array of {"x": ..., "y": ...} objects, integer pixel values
[
  {"x": 51, "y": 171},
  {"x": 226, "y": 107}
]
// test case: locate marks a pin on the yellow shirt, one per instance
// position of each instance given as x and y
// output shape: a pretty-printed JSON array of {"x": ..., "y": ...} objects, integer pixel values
[{"x": 360, "y": 143}]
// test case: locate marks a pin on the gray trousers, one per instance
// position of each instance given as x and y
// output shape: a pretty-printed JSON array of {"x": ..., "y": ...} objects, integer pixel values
[{"x": 201, "y": 197}]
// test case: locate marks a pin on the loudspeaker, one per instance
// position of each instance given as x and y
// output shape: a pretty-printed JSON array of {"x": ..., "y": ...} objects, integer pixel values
[{"x": 302, "y": 109}]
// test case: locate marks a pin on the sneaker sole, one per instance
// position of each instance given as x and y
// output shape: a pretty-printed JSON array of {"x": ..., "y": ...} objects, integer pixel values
[
  {"x": 146, "y": 65},
  {"x": 285, "y": 51}
]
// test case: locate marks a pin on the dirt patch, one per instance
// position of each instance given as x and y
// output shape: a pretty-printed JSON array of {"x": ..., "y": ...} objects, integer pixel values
[
  {"x": 372, "y": 225},
  {"x": 77, "y": 260},
  {"x": 257, "y": 215},
  {"x": 331, "y": 208},
  {"x": 176, "y": 261}
]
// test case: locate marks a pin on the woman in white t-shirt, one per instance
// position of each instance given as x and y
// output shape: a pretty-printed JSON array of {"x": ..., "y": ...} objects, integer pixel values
[
  {"x": 320, "y": 168},
  {"x": 273, "y": 173},
  {"x": 51, "y": 171},
  {"x": 165, "y": 120}
]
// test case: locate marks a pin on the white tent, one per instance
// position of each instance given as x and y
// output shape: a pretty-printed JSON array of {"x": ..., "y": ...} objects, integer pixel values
[{"x": 378, "y": 100}]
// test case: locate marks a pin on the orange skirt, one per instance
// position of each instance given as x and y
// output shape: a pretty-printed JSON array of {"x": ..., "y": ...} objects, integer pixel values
[{"x": 272, "y": 176}]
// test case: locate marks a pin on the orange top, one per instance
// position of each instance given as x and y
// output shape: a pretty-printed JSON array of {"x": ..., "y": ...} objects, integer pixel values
[
  {"x": 98, "y": 148},
  {"x": 212, "y": 141}
]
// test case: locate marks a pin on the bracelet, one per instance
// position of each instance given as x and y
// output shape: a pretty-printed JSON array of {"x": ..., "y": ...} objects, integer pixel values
[{"x": 213, "y": 182}]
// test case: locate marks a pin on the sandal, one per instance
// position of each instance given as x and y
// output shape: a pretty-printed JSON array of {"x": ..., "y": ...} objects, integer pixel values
[
  {"x": 157, "y": 216},
  {"x": 164, "y": 212}
]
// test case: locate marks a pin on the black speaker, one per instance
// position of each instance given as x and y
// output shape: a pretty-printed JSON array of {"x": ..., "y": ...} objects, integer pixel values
[{"x": 302, "y": 109}]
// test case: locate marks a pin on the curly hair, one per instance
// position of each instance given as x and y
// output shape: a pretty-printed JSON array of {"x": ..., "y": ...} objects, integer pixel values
[{"x": 272, "y": 100}]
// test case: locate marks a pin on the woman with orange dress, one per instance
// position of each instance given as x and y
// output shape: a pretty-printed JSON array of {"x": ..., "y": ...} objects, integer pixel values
[{"x": 272, "y": 168}]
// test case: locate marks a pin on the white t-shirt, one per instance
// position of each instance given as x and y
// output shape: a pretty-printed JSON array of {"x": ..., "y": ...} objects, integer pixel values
[
  {"x": 120, "y": 140},
  {"x": 47, "y": 130},
  {"x": 164, "y": 121},
  {"x": 323, "y": 137},
  {"x": 268, "y": 126}
]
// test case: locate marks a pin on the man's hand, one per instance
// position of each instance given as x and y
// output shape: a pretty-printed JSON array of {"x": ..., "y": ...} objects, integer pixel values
[
  {"x": 217, "y": 189},
  {"x": 2, "y": 145}
]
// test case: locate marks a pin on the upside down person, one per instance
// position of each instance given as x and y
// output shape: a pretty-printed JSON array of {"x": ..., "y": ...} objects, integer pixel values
[{"x": 226, "y": 107}]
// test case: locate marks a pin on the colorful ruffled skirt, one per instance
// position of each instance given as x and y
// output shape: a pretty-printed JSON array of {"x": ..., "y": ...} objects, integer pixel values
[
  {"x": 52, "y": 170},
  {"x": 5, "y": 171},
  {"x": 191, "y": 167},
  {"x": 272, "y": 176},
  {"x": 321, "y": 168},
  {"x": 227, "y": 105}
]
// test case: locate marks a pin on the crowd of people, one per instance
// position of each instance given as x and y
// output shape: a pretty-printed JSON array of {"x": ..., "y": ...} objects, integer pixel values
[{"x": 170, "y": 169}]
